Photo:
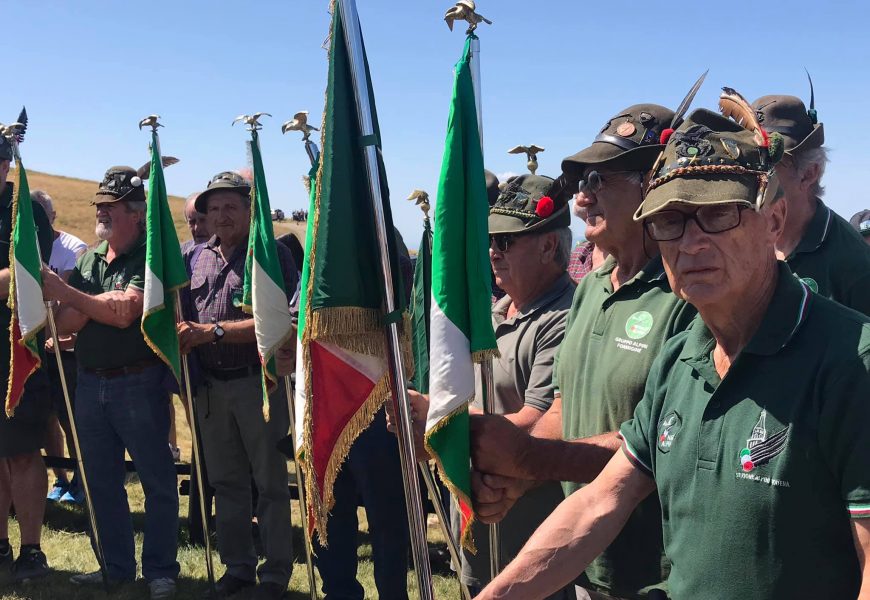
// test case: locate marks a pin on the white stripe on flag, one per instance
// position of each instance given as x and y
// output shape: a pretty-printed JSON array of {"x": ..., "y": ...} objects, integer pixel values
[
  {"x": 154, "y": 296},
  {"x": 28, "y": 301},
  {"x": 272, "y": 320},
  {"x": 451, "y": 373}
]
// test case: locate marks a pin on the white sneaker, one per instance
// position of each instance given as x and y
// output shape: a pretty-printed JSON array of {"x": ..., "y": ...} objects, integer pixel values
[
  {"x": 162, "y": 588},
  {"x": 176, "y": 452}
]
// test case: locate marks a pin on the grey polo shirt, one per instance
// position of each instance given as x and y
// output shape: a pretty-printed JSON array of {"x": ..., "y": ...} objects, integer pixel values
[{"x": 523, "y": 376}]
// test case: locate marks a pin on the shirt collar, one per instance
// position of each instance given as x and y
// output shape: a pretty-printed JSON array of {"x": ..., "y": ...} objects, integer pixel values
[
  {"x": 652, "y": 271},
  {"x": 214, "y": 242},
  {"x": 816, "y": 231},
  {"x": 103, "y": 247},
  {"x": 557, "y": 289},
  {"x": 786, "y": 313}
]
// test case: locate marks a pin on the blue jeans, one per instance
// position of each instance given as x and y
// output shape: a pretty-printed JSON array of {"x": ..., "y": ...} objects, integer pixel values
[
  {"x": 132, "y": 412},
  {"x": 373, "y": 471}
]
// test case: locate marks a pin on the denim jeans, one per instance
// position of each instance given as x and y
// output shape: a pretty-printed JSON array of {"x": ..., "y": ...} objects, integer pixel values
[
  {"x": 130, "y": 412},
  {"x": 372, "y": 471}
]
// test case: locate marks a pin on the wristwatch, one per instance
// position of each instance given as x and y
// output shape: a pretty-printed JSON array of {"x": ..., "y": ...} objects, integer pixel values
[{"x": 218, "y": 332}]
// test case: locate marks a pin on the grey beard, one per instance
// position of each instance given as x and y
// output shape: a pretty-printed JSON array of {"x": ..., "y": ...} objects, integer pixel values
[{"x": 103, "y": 231}]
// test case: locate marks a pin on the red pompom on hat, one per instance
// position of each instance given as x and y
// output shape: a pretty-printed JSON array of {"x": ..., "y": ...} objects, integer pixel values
[
  {"x": 545, "y": 207},
  {"x": 666, "y": 135}
]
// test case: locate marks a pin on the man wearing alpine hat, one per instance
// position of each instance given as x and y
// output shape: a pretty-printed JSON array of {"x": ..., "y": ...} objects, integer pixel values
[
  {"x": 818, "y": 244},
  {"x": 121, "y": 403},
  {"x": 861, "y": 222},
  {"x": 754, "y": 433},
  {"x": 620, "y": 317}
]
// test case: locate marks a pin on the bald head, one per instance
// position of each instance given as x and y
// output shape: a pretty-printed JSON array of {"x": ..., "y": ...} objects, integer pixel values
[{"x": 196, "y": 221}]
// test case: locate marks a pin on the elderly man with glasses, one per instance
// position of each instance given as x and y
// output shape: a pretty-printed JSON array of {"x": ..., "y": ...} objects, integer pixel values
[
  {"x": 621, "y": 316},
  {"x": 754, "y": 435}
]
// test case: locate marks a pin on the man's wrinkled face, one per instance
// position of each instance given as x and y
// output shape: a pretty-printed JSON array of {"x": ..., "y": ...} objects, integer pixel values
[
  {"x": 520, "y": 264},
  {"x": 115, "y": 221},
  {"x": 197, "y": 223},
  {"x": 722, "y": 269},
  {"x": 228, "y": 216},
  {"x": 608, "y": 208}
]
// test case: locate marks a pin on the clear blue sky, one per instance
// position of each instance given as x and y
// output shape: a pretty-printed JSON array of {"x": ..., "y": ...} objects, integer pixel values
[{"x": 553, "y": 73}]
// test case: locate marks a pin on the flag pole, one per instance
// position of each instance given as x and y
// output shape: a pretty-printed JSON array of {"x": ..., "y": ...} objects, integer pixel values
[
  {"x": 197, "y": 454},
  {"x": 487, "y": 385},
  {"x": 152, "y": 121},
  {"x": 89, "y": 505},
  {"x": 413, "y": 500}
]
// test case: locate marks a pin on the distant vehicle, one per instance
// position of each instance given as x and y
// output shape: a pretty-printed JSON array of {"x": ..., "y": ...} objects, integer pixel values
[{"x": 277, "y": 214}]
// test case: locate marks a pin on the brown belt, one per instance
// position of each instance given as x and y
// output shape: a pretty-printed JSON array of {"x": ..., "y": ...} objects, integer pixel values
[{"x": 112, "y": 372}]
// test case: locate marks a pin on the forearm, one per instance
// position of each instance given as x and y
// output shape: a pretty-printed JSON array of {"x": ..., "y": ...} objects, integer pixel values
[
  {"x": 238, "y": 332},
  {"x": 575, "y": 460},
  {"x": 526, "y": 418},
  {"x": 575, "y": 533},
  {"x": 68, "y": 320},
  {"x": 4, "y": 284},
  {"x": 98, "y": 308}
]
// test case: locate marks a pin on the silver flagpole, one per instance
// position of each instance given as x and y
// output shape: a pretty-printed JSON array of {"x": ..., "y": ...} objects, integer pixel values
[
  {"x": 486, "y": 366},
  {"x": 413, "y": 500},
  {"x": 152, "y": 121}
]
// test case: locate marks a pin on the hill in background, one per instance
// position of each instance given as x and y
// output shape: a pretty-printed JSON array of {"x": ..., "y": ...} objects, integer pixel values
[{"x": 75, "y": 214}]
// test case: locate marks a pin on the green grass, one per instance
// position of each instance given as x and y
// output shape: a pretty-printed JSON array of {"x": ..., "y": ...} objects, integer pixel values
[{"x": 68, "y": 549}]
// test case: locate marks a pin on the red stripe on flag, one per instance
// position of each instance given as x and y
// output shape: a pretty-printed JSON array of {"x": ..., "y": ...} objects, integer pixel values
[
  {"x": 24, "y": 362},
  {"x": 338, "y": 392}
]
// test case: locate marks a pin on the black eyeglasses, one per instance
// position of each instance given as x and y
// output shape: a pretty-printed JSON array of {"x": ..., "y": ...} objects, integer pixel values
[
  {"x": 669, "y": 225},
  {"x": 502, "y": 241},
  {"x": 594, "y": 181}
]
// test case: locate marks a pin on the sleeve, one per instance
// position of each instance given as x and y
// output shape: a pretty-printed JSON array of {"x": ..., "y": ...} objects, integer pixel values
[
  {"x": 44, "y": 232},
  {"x": 844, "y": 433},
  {"x": 288, "y": 270},
  {"x": 75, "y": 277},
  {"x": 137, "y": 280},
  {"x": 548, "y": 337},
  {"x": 639, "y": 433}
]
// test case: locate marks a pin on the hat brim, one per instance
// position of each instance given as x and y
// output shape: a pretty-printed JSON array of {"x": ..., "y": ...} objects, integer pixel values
[
  {"x": 201, "y": 202},
  {"x": 107, "y": 198},
  {"x": 814, "y": 140},
  {"x": 604, "y": 154},
  {"x": 698, "y": 190},
  {"x": 501, "y": 223}
]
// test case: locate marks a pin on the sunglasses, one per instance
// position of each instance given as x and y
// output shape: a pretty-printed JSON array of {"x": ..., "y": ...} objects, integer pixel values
[
  {"x": 669, "y": 225},
  {"x": 502, "y": 241},
  {"x": 594, "y": 181}
]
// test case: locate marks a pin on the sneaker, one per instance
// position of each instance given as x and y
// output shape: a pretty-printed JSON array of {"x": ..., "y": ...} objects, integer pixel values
[
  {"x": 269, "y": 590},
  {"x": 57, "y": 491},
  {"x": 176, "y": 452},
  {"x": 30, "y": 565},
  {"x": 162, "y": 588},
  {"x": 75, "y": 494}
]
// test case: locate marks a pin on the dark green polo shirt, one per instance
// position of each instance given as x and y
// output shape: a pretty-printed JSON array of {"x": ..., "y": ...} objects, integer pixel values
[
  {"x": 610, "y": 342},
  {"x": 833, "y": 260},
  {"x": 759, "y": 472},
  {"x": 101, "y": 346},
  {"x": 45, "y": 240}
]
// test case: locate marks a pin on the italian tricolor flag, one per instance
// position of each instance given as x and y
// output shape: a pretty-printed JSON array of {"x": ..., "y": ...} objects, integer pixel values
[
  {"x": 25, "y": 294},
  {"x": 264, "y": 295},
  {"x": 461, "y": 317},
  {"x": 164, "y": 269},
  {"x": 342, "y": 378}
]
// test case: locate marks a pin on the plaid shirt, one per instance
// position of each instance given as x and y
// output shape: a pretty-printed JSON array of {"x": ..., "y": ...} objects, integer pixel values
[
  {"x": 580, "y": 264},
  {"x": 215, "y": 295}
]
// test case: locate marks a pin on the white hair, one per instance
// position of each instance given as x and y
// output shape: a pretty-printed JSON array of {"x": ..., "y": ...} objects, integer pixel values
[
  {"x": 806, "y": 159},
  {"x": 562, "y": 253}
]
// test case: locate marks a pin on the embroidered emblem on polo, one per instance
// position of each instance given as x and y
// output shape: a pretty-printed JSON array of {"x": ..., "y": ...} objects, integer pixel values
[
  {"x": 638, "y": 325},
  {"x": 669, "y": 426},
  {"x": 811, "y": 283},
  {"x": 761, "y": 448}
]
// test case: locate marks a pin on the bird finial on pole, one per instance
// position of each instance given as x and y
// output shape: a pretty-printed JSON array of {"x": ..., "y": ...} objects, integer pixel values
[
  {"x": 252, "y": 121},
  {"x": 152, "y": 121},
  {"x": 531, "y": 151},
  {"x": 422, "y": 200},
  {"x": 465, "y": 10}
]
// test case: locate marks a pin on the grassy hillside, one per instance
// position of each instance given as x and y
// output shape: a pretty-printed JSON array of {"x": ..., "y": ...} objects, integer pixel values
[{"x": 72, "y": 201}]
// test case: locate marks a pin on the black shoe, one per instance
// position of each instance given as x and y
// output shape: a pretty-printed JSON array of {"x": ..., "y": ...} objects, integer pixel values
[
  {"x": 228, "y": 585},
  {"x": 269, "y": 590},
  {"x": 30, "y": 565}
]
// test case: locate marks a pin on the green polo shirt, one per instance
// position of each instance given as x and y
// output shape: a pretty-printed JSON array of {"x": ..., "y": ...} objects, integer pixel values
[
  {"x": 759, "y": 472},
  {"x": 101, "y": 346},
  {"x": 610, "y": 342},
  {"x": 834, "y": 260}
]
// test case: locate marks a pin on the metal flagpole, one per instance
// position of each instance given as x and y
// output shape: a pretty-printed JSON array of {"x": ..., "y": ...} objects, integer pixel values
[
  {"x": 75, "y": 437},
  {"x": 14, "y": 129},
  {"x": 466, "y": 11},
  {"x": 197, "y": 455},
  {"x": 413, "y": 500},
  {"x": 300, "y": 486}
]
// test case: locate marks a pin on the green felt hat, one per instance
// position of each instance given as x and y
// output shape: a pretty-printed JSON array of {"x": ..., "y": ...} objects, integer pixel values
[
  {"x": 529, "y": 203},
  {"x": 861, "y": 222},
  {"x": 629, "y": 141},
  {"x": 788, "y": 116},
  {"x": 225, "y": 180},
  {"x": 120, "y": 183},
  {"x": 711, "y": 159}
]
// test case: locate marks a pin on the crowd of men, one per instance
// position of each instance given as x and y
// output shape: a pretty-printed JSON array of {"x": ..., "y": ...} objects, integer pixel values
[{"x": 681, "y": 400}]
